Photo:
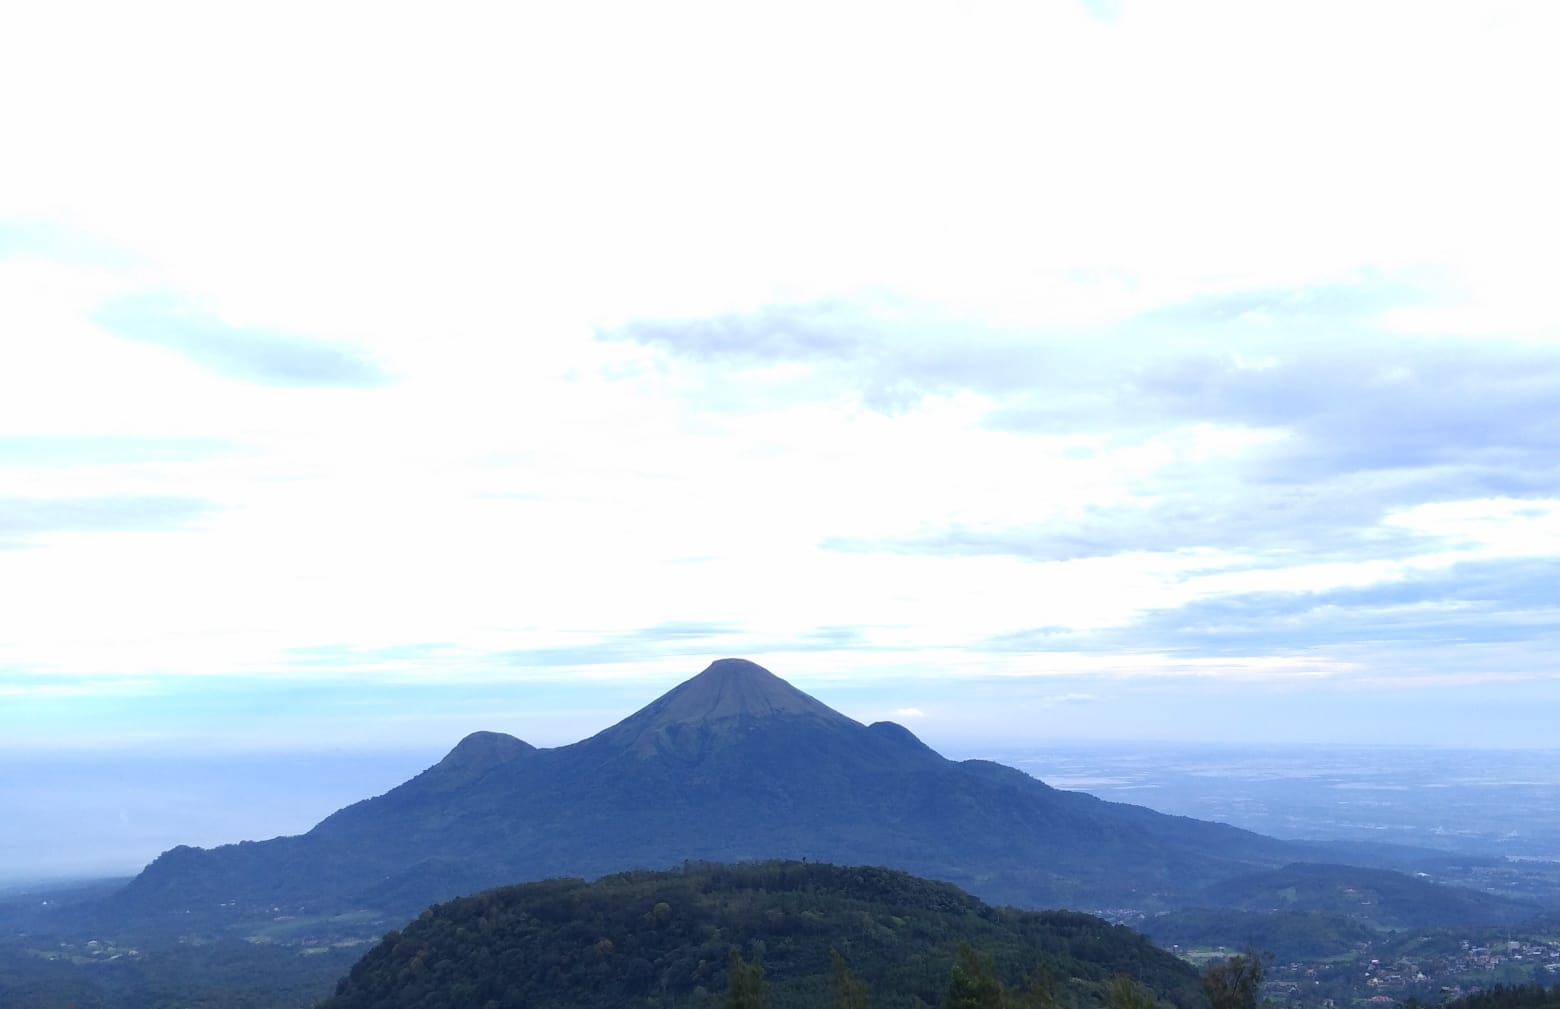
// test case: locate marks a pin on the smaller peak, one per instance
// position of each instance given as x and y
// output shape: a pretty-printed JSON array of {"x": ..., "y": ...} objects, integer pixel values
[
  {"x": 482, "y": 750},
  {"x": 482, "y": 740},
  {"x": 898, "y": 734}
]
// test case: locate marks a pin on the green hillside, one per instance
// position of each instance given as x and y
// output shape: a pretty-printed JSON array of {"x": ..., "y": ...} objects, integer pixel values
[{"x": 663, "y": 939}]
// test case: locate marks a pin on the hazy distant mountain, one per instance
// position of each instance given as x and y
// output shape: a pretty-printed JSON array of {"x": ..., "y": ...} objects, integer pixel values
[{"x": 734, "y": 764}]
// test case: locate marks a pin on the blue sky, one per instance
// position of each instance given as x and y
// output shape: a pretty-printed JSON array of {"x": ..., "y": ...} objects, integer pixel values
[{"x": 1015, "y": 371}]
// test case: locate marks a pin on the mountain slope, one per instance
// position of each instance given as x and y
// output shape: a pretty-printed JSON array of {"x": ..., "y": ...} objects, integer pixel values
[{"x": 733, "y": 764}]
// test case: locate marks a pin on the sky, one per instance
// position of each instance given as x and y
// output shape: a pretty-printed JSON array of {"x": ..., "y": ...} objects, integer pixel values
[{"x": 372, "y": 374}]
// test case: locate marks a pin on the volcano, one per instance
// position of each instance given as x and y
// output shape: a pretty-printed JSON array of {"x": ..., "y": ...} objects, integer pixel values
[{"x": 734, "y": 764}]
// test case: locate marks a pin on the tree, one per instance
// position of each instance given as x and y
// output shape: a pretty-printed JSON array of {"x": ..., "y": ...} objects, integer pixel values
[
  {"x": 745, "y": 984},
  {"x": 1039, "y": 991},
  {"x": 972, "y": 983},
  {"x": 849, "y": 992},
  {"x": 1125, "y": 993},
  {"x": 1233, "y": 983}
]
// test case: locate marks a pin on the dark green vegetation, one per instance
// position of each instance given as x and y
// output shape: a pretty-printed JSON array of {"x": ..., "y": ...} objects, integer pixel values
[
  {"x": 666, "y": 939},
  {"x": 1233, "y": 983},
  {"x": 1527, "y": 996}
]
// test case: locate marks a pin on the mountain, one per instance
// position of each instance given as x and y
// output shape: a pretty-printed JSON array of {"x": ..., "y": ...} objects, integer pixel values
[
  {"x": 734, "y": 764},
  {"x": 663, "y": 938}
]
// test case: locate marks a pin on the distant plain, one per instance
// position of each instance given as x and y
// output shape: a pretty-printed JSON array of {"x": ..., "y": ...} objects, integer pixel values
[{"x": 1470, "y": 801}]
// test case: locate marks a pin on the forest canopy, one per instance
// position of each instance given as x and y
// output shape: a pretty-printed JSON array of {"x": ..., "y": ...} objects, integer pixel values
[{"x": 670, "y": 939}]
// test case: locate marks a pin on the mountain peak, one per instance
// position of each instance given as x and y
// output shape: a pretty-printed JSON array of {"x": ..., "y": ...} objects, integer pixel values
[
  {"x": 734, "y": 688},
  {"x": 727, "y": 692}
]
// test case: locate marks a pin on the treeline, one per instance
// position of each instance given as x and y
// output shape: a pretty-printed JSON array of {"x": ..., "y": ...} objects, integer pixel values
[
  {"x": 972, "y": 984},
  {"x": 674, "y": 940}
]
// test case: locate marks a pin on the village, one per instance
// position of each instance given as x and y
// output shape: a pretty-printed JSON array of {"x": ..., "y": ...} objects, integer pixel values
[{"x": 1426, "y": 969}]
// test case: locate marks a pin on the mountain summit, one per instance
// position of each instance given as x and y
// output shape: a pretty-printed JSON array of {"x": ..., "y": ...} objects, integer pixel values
[
  {"x": 720, "y": 701},
  {"x": 734, "y": 764},
  {"x": 734, "y": 688}
]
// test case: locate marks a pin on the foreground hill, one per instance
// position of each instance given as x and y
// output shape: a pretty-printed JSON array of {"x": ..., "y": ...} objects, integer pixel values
[
  {"x": 663, "y": 939},
  {"x": 734, "y": 764}
]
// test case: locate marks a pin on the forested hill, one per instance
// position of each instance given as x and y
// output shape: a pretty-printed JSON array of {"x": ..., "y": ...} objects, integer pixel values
[{"x": 664, "y": 939}]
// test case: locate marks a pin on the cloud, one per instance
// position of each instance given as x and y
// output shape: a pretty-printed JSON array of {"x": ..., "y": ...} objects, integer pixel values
[
  {"x": 1185, "y": 390},
  {"x": 1362, "y": 294},
  {"x": 1064, "y": 700},
  {"x": 45, "y": 239},
  {"x": 1452, "y": 616},
  {"x": 773, "y": 333},
  {"x": 670, "y": 638},
  {"x": 1310, "y": 366},
  {"x": 51, "y": 450},
  {"x": 909, "y": 712},
  {"x": 256, "y": 355},
  {"x": 1483, "y": 411},
  {"x": 887, "y": 350},
  {"x": 1274, "y": 472},
  {"x": 1258, "y": 522},
  {"x": 30, "y": 516},
  {"x": 425, "y": 655},
  {"x": 1299, "y": 440}
]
